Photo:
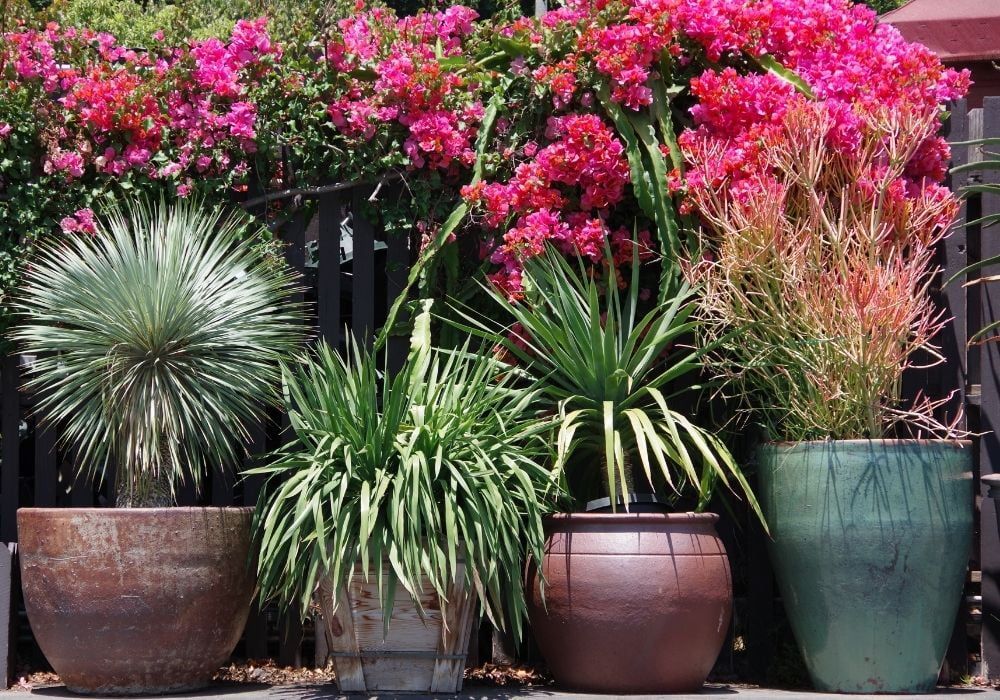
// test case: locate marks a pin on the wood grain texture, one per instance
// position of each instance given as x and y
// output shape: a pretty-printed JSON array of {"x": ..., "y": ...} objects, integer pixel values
[
  {"x": 449, "y": 668},
  {"x": 423, "y": 651},
  {"x": 342, "y": 640},
  {"x": 989, "y": 452}
]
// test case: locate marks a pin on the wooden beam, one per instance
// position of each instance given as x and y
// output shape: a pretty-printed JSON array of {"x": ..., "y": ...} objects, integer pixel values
[{"x": 989, "y": 548}]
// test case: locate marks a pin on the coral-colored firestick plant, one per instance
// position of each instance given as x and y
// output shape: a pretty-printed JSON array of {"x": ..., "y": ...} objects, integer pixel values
[{"x": 578, "y": 129}]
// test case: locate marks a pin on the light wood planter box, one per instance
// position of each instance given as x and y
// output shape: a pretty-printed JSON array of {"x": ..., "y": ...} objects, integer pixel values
[{"x": 420, "y": 654}]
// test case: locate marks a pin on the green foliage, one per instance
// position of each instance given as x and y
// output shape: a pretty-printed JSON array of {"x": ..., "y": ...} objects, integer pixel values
[
  {"x": 610, "y": 374},
  {"x": 883, "y": 6},
  {"x": 405, "y": 476},
  {"x": 157, "y": 340},
  {"x": 134, "y": 22},
  {"x": 294, "y": 23},
  {"x": 973, "y": 273}
]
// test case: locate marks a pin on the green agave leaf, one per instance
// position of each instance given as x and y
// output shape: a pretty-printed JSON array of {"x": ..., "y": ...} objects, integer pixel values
[
  {"x": 989, "y": 164},
  {"x": 642, "y": 185},
  {"x": 771, "y": 65},
  {"x": 599, "y": 372}
]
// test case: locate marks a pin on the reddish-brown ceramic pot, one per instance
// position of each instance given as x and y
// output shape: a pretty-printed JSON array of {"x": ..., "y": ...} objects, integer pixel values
[
  {"x": 129, "y": 601},
  {"x": 633, "y": 602}
]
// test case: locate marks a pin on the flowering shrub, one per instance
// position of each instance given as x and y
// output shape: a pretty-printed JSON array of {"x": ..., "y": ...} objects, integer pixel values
[
  {"x": 580, "y": 129},
  {"x": 84, "y": 118},
  {"x": 630, "y": 74}
]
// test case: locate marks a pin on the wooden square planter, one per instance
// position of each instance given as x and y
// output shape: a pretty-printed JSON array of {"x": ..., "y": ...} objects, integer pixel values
[{"x": 420, "y": 654}]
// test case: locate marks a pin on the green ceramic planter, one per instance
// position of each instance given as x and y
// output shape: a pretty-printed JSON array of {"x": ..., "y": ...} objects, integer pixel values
[{"x": 870, "y": 542}]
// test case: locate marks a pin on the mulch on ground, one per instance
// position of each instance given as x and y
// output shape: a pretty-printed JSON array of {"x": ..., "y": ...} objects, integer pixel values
[{"x": 267, "y": 672}]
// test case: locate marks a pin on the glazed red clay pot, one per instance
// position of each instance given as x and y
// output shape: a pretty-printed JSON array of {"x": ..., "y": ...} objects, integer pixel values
[
  {"x": 129, "y": 601},
  {"x": 633, "y": 602}
]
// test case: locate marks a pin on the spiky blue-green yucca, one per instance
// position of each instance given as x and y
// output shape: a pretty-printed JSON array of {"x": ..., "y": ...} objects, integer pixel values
[{"x": 157, "y": 341}]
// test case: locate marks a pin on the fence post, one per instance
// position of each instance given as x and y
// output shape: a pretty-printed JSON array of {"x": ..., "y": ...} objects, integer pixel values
[
  {"x": 11, "y": 451},
  {"x": 989, "y": 453},
  {"x": 953, "y": 256},
  {"x": 290, "y": 626}
]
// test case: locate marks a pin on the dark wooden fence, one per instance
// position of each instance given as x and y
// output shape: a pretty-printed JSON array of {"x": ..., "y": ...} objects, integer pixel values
[{"x": 354, "y": 271}]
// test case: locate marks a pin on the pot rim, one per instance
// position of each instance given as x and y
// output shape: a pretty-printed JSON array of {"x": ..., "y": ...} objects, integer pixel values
[
  {"x": 873, "y": 441},
  {"x": 122, "y": 512},
  {"x": 659, "y": 518}
]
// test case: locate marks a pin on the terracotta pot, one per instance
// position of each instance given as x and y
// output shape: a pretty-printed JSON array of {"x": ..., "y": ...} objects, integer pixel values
[
  {"x": 136, "y": 600},
  {"x": 633, "y": 603}
]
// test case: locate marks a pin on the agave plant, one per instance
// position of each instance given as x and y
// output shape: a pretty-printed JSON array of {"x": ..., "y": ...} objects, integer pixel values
[
  {"x": 157, "y": 341},
  {"x": 402, "y": 475},
  {"x": 610, "y": 374}
]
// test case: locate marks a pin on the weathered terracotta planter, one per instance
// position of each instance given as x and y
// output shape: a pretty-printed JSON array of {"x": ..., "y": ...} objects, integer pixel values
[
  {"x": 136, "y": 600},
  {"x": 633, "y": 603},
  {"x": 419, "y": 654},
  {"x": 870, "y": 546}
]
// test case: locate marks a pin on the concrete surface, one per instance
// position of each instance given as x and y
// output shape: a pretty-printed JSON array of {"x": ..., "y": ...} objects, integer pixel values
[{"x": 329, "y": 692}]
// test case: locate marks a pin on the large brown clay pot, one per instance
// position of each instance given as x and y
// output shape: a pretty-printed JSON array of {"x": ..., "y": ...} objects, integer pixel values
[
  {"x": 136, "y": 600},
  {"x": 633, "y": 603}
]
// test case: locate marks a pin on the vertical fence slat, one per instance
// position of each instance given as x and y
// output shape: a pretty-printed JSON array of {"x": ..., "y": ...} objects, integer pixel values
[
  {"x": 328, "y": 281},
  {"x": 397, "y": 265},
  {"x": 45, "y": 462},
  {"x": 760, "y": 602},
  {"x": 290, "y": 626},
  {"x": 222, "y": 488},
  {"x": 46, "y": 466},
  {"x": 363, "y": 269},
  {"x": 955, "y": 256},
  {"x": 255, "y": 632},
  {"x": 81, "y": 493},
  {"x": 294, "y": 237},
  {"x": 186, "y": 494},
  {"x": 290, "y": 638},
  {"x": 11, "y": 452},
  {"x": 990, "y": 419}
]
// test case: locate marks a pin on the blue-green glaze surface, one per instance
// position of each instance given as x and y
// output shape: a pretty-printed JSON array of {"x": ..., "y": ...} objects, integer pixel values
[{"x": 870, "y": 543}]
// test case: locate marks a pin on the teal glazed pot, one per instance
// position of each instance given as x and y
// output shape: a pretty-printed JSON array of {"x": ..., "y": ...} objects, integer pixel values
[{"x": 870, "y": 543}]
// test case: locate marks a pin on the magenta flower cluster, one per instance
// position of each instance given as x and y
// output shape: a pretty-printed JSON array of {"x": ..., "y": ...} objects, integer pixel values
[
  {"x": 395, "y": 70},
  {"x": 848, "y": 66},
  {"x": 181, "y": 115},
  {"x": 177, "y": 114}
]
